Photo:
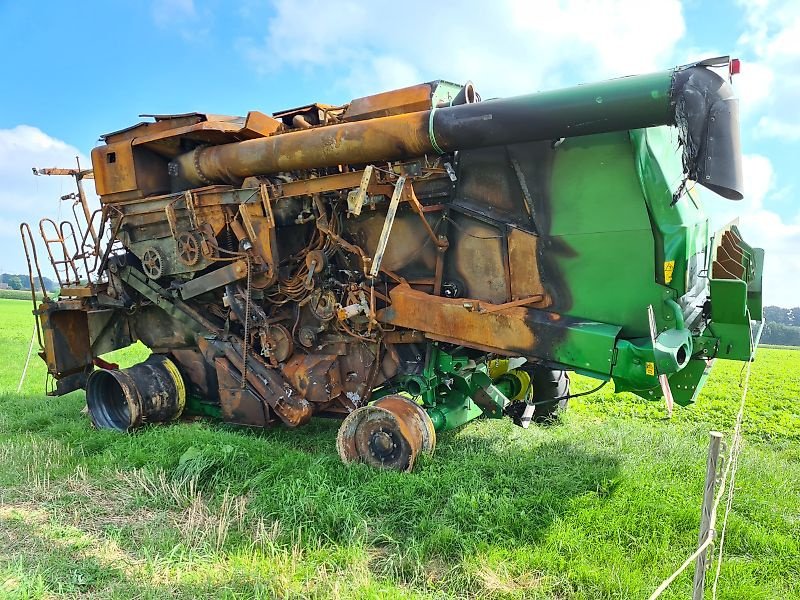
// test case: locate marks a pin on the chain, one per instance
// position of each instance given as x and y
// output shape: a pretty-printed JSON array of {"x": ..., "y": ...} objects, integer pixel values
[{"x": 246, "y": 324}]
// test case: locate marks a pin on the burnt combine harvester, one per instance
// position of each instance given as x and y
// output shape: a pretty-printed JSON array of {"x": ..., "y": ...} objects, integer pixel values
[{"x": 407, "y": 262}]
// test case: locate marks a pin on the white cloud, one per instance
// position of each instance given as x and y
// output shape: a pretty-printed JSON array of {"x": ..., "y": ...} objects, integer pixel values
[
  {"x": 777, "y": 128},
  {"x": 25, "y": 197},
  {"x": 183, "y": 18},
  {"x": 505, "y": 47},
  {"x": 764, "y": 228},
  {"x": 770, "y": 78},
  {"x": 167, "y": 12},
  {"x": 759, "y": 178}
]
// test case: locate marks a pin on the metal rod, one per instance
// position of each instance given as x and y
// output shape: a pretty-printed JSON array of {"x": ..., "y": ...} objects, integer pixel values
[
  {"x": 706, "y": 526},
  {"x": 387, "y": 227}
]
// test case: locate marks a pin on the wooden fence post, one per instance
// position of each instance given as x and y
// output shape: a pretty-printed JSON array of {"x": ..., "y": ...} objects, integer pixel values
[{"x": 706, "y": 516}]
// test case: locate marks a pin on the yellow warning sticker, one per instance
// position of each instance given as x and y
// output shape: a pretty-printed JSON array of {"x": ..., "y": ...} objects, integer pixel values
[
  {"x": 650, "y": 368},
  {"x": 669, "y": 267}
]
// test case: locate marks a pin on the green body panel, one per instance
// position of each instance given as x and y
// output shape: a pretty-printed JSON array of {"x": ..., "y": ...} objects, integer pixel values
[
  {"x": 628, "y": 241},
  {"x": 680, "y": 228},
  {"x": 599, "y": 215},
  {"x": 687, "y": 383},
  {"x": 617, "y": 239},
  {"x": 452, "y": 411}
]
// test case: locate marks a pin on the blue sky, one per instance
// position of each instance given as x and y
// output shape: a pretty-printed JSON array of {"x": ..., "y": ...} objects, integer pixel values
[{"x": 72, "y": 71}]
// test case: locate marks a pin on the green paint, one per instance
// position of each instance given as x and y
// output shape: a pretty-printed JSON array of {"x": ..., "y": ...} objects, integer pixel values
[
  {"x": 627, "y": 243},
  {"x": 195, "y": 405}
]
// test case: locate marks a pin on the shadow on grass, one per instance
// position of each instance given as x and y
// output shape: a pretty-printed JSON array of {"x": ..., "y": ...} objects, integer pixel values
[{"x": 489, "y": 487}]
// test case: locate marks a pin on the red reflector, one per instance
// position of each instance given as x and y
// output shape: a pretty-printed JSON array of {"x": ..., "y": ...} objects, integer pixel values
[{"x": 735, "y": 66}]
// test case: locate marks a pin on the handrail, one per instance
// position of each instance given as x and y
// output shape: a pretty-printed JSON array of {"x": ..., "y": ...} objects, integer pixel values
[{"x": 23, "y": 229}]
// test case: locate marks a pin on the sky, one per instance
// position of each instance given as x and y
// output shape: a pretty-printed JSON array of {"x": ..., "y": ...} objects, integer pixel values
[{"x": 73, "y": 71}]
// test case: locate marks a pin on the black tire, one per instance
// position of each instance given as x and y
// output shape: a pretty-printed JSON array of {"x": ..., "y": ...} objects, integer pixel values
[{"x": 550, "y": 394}]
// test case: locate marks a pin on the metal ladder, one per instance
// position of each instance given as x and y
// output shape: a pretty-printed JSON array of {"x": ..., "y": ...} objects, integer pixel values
[{"x": 70, "y": 251}]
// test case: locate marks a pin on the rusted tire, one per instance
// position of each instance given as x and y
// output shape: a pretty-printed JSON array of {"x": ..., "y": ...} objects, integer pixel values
[
  {"x": 123, "y": 399},
  {"x": 389, "y": 434}
]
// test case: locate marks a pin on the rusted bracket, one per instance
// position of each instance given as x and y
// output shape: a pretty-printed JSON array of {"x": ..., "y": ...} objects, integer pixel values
[
  {"x": 357, "y": 197},
  {"x": 161, "y": 298},
  {"x": 387, "y": 226},
  {"x": 216, "y": 279},
  {"x": 478, "y": 307},
  {"x": 411, "y": 198}
]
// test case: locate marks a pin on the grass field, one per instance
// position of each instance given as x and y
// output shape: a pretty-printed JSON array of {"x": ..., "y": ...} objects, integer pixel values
[
  {"x": 604, "y": 504},
  {"x": 17, "y": 294}
]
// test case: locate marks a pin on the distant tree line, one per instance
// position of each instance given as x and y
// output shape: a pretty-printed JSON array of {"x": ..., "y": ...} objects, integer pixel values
[
  {"x": 23, "y": 282},
  {"x": 782, "y": 326}
]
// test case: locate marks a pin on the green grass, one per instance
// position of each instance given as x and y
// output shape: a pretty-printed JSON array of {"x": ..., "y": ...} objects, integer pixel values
[{"x": 604, "y": 504}]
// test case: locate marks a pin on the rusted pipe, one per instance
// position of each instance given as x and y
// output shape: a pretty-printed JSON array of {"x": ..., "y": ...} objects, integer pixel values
[{"x": 695, "y": 98}]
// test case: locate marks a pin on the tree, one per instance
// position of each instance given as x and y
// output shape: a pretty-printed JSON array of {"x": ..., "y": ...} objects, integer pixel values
[{"x": 14, "y": 282}]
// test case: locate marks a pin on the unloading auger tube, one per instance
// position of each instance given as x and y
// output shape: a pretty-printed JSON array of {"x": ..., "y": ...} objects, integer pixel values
[
  {"x": 693, "y": 98},
  {"x": 409, "y": 261}
]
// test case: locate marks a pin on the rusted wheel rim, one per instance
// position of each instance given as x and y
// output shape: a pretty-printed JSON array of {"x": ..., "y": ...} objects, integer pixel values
[
  {"x": 414, "y": 415},
  {"x": 389, "y": 434}
]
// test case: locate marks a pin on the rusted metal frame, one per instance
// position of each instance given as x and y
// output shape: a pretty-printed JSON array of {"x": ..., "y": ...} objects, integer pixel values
[
  {"x": 96, "y": 247},
  {"x": 364, "y": 390},
  {"x": 189, "y": 200},
  {"x": 357, "y": 197},
  {"x": 113, "y": 237},
  {"x": 199, "y": 193},
  {"x": 78, "y": 254},
  {"x": 67, "y": 261},
  {"x": 323, "y": 226},
  {"x": 270, "y": 385},
  {"x": 266, "y": 202},
  {"x": 79, "y": 175},
  {"x": 318, "y": 185},
  {"x": 412, "y": 199},
  {"x": 216, "y": 279},
  {"x": 161, "y": 298},
  {"x": 401, "y": 336},
  {"x": 220, "y": 126},
  {"x": 24, "y": 229},
  {"x": 82, "y": 174},
  {"x": 86, "y": 212},
  {"x": 172, "y": 220},
  {"x": 244, "y": 215},
  {"x": 78, "y": 223}
]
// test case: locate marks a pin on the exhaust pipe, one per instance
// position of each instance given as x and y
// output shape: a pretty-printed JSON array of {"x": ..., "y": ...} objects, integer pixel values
[{"x": 151, "y": 392}]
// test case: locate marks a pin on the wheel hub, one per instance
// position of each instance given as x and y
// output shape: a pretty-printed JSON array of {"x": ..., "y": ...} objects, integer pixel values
[{"x": 388, "y": 434}]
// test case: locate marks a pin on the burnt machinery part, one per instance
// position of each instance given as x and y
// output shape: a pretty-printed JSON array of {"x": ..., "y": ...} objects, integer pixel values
[
  {"x": 189, "y": 249},
  {"x": 697, "y": 100},
  {"x": 323, "y": 304},
  {"x": 153, "y": 263},
  {"x": 280, "y": 343},
  {"x": 123, "y": 399},
  {"x": 389, "y": 434}
]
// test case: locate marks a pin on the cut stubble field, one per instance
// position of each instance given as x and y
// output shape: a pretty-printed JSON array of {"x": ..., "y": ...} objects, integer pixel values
[{"x": 603, "y": 504}]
